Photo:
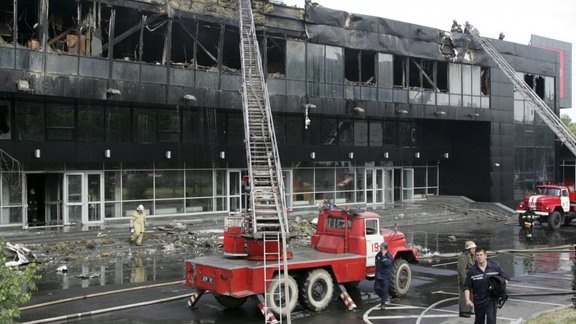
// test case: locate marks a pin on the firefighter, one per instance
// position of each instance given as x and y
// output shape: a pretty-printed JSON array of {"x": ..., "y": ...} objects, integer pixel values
[
  {"x": 138, "y": 225},
  {"x": 478, "y": 281},
  {"x": 465, "y": 262},
  {"x": 384, "y": 261}
]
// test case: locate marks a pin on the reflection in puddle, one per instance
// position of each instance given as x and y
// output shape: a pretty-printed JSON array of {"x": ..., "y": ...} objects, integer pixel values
[{"x": 138, "y": 269}]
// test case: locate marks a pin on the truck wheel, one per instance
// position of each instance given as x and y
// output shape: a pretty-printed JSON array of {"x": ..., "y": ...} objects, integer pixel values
[
  {"x": 316, "y": 290},
  {"x": 230, "y": 302},
  {"x": 554, "y": 220},
  {"x": 275, "y": 295},
  {"x": 401, "y": 278}
]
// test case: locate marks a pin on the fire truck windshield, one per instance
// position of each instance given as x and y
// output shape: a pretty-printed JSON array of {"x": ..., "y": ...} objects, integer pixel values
[{"x": 549, "y": 191}]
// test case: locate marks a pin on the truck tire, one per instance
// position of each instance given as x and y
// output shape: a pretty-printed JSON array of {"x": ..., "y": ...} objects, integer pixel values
[
  {"x": 316, "y": 290},
  {"x": 554, "y": 220},
  {"x": 275, "y": 295},
  {"x": 401, "y": 278},
  {"x": 230, "y": 302}
]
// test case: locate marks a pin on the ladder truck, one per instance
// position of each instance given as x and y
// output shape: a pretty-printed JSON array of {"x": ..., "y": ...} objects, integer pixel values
[
  {"x": 257, "y": 262},
  {"x": 556, "y": 208},
  {"x": 563, "y": 133}
]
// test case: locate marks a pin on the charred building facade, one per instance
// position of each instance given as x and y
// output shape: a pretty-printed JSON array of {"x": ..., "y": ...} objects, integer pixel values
[{"x": 109, "y": 104}]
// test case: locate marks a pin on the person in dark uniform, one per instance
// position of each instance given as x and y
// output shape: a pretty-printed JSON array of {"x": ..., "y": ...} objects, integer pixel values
[
  {"x": 477, "y": 283},
  {"x": 384, "y": 261},
  {"x": 465, "y": 262}
]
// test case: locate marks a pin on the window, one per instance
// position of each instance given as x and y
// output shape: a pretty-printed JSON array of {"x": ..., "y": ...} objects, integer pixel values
[
  {"x": 193, "y": 127},
  {"x": 90, "y": 123},
  {"x": 5, "y": 123},
  {"x": 144, "y": 125},
  {"x": 60, "y": 123},
  {"x": 275, "y": 56},
  {"x": 337, "y": 223},
  {"x": 30, "y": 121},
  {"x": 400, "y": 71},
  {"x": 168, "y": 126},
  {"x": 117, "y": 124}
]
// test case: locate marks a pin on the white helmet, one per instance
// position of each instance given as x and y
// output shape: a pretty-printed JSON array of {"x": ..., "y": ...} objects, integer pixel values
[{"x": 140, "y": 208}]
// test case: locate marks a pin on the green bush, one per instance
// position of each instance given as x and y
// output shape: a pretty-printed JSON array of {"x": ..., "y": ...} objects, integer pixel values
[{"x": 16, "y": 286}]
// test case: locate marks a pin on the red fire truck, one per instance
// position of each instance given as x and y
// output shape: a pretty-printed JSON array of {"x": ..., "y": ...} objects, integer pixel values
[{"x": 342, "y": 254}]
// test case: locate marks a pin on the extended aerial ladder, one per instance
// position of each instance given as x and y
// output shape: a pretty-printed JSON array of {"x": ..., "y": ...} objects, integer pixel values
[
  {"x": 544, "y": 112},
  {"x": 267, "y": 224}
]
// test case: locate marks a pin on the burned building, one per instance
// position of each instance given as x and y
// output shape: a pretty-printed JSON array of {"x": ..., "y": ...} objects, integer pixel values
[{"x": 106, "y": 105}]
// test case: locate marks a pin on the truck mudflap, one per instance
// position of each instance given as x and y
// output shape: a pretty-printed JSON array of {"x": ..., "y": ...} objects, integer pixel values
[
  {"x": 268, "y": 315},
  {"x": 195, "y": 297},
  {"x": 350, "y": 304}
]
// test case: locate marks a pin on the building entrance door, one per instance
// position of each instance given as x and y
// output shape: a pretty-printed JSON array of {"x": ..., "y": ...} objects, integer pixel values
[
  {"x": 375, "y": 181},
  {"x": 83, "y": 198}
]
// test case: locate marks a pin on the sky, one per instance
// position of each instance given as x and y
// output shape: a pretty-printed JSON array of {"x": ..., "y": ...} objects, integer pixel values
[{"x": 517, "y": 19}]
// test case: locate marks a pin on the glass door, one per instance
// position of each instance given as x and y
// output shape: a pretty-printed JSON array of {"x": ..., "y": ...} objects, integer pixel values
[
  {"x": 94, "y": 201},
  {"x": 379, "y": 186},
  {"x": 235, "y": 191},
  {"x": 389, "y": 185},
  {"x": 83, "y": 193},
  {"x": 407, "y": 184},
  {"x": 73, "y": 184},
  {"x": 370, "y": 185}
]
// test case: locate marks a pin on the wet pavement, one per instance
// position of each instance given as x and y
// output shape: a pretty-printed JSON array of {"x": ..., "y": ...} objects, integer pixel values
[{"x": 434, "y": 280}]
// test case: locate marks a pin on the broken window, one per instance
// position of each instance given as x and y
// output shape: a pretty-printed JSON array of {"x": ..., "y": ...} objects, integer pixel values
[
  {"x": 72, "y": 27},
  {"x": 231, "y": 52},
  {"x": 485, "y": 81},
  {"x": 442, "y": 76},
  {"x": 153, "y": 39},
  {"x": 400, "y": 71},
  {"x": 539, "y": 86},
  {"x": 5, "y": 123},
  {"x": 352, "y": 65},
  {"x": 183, "y": 35},
  {"x": 368, "y": 67},
  {"x": 276, "y": 56},
  {"x": 359, "y": 66},
  {"x": 207, "y": 43},
  {"x": 6, "y": 22},
  {"x": 414, "y": 73},
  {"x": 29, "y": 29}
]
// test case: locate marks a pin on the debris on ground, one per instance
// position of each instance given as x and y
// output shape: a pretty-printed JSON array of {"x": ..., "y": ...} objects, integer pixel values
[
  {"x": 19, "y": 254},
  {"x": 88, "y": 275},
  {"x": 62, "y": 269}
]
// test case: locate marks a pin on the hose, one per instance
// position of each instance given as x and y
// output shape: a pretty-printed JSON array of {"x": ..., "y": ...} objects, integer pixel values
[
  {"x": 106, "y": 310},
  {"x": 60, "y": 301}
]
